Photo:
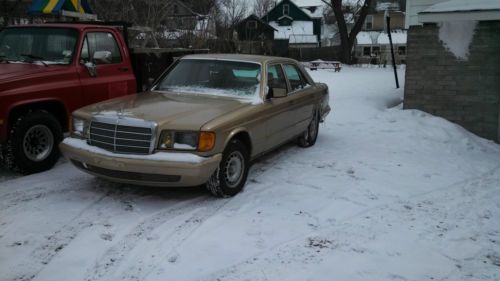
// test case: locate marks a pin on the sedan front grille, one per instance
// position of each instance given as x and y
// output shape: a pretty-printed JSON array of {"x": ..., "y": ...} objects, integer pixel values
[{"x": 122, "y": 135}]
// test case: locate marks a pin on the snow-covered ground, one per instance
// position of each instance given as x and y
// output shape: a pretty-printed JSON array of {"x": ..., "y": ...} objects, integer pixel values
[{"x": 385, "y": 194}]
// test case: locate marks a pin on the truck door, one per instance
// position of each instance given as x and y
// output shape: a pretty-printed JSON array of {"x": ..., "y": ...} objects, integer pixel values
[{"x": 104, "y": 69}]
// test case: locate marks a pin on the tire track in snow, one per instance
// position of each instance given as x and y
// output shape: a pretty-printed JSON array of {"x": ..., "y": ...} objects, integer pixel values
[
  {"x": 43, "y": 255},
  {"x": 111, "y": 260}
]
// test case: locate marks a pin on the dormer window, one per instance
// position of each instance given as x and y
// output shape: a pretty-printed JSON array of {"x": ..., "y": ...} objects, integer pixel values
[{"x": 286, "y": 10}]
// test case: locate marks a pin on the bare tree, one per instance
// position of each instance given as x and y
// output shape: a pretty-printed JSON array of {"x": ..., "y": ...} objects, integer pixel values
[
  {"x": 347, "y": 37},
  {"x": 230, "y": 13},
  {"x": 261, "y": 7}
]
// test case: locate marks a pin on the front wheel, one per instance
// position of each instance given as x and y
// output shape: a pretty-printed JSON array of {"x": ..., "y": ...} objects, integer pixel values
[
  {"x": 231, "y": 175},
  {"x": 32, "y": 145},
  {"x": 309, "y": 136}
]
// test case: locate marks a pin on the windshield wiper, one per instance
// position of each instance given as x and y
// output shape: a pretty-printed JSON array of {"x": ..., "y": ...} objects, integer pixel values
[{"x": 33, "y": 57}]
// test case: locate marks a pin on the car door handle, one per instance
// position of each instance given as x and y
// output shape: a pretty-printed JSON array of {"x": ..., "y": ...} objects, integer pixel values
[{"x": 124, "y": 69}]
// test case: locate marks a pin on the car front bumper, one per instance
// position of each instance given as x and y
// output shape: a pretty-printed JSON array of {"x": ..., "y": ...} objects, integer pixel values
[{"x": 158, "y": 169}]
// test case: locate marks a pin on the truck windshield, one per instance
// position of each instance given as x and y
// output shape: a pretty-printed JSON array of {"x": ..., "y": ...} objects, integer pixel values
[
  {"x": 35, "y": 44},
  {"x": 214, "y": 77}
]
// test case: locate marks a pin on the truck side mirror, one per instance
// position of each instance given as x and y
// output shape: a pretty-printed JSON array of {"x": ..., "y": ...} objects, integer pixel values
[{"x": 91, "y": 68}]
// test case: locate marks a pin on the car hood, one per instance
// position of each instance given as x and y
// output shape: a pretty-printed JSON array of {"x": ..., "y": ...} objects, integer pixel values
[
  {"x": 170, "y": 110},
  {"x": 15, "y": 70}
]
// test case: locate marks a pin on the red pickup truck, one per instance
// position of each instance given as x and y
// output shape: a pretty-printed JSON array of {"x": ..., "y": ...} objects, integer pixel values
[{"x": 46, "y": 72}]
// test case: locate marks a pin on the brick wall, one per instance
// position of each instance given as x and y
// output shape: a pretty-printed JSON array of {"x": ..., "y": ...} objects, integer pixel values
[{"x": 466, "y": 92}]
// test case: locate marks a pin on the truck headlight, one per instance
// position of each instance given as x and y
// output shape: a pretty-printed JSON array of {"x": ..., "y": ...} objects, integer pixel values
[
  {"x": 80, "y": 127},
  {"x": 179, "y": 140}
]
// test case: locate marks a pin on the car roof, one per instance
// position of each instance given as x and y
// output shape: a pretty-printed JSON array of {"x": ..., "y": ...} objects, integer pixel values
[{"x": 240, "y": 57}]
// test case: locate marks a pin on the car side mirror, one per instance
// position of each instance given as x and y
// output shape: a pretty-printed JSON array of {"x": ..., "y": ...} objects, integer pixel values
[
  {"x": 276, "y": 93},
  {"x": 91, "y": 68}
]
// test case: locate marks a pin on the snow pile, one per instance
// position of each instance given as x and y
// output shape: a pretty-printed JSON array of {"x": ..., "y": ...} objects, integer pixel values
[
  {"x": 249, "y": 95},
  {"x": 398, "y": 37},
  {"x": 381, "y": 38},
  {"x": 457, "y": 36},
  {"x": 384, "y": 194}
]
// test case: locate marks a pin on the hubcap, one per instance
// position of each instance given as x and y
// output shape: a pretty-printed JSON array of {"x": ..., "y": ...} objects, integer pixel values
[
  {"x": 38, "y": 143},
  {"x": 233, "y": 170}
]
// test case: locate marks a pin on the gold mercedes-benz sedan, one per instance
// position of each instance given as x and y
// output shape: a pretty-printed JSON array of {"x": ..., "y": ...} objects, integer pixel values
[{"x": 202, "y": 122}]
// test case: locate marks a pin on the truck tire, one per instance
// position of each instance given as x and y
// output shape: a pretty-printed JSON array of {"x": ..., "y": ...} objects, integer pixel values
[
  {"x": 232, "y": 173},
  {"x": 308, "y": 138},
  {"x": 33, "y": 142}
]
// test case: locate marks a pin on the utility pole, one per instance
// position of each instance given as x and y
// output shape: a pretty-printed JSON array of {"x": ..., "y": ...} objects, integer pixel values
[{"x": 388, "y": 21}]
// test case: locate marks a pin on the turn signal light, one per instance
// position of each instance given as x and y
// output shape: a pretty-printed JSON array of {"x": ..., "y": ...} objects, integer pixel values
[{"x": 206, "y": 141}]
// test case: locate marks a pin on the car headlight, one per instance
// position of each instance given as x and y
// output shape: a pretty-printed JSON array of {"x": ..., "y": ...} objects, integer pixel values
[
  {"x": 178, "y": 140},
  {"x": 80, "y": 127}
]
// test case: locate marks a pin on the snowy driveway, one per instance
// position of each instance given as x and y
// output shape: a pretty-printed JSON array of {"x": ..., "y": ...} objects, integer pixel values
[{"x": 384, "y": 194}]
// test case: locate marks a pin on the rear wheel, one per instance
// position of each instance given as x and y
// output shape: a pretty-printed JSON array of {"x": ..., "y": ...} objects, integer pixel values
[
  {"x": 32, "y": 145},
  {"x": 309, "y": 136},
  {"x": 231, "y": 175}
]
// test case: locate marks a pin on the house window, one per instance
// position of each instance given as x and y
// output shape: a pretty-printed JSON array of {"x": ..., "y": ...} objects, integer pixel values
[
  {"x": 369, "y": 22},
  {"x": 252, "y": 24},
  {"x": 176, "y": 9},
  {"x": 402, "y": 50},
  {"x": 367, "y": 51},
  {"x": 286, "y": 10},
  {"x": 375, "y": 50}
]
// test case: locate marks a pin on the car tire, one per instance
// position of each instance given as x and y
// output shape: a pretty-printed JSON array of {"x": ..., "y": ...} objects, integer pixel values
[
  {"x": 33, "y": 141},
  {"x": 231, "y": 175},
  {"x": 310, "y": 135}
]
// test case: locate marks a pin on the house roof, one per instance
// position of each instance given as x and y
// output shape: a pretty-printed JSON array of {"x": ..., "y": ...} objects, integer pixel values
[
  {"x": 308, "y": 3},
  {"x": 296, "y": 28},
  {"x": 291, "y": 2},
  {"x": 399, "y": 37},
  {"x": 456, "y": 10},
  {"x": 256, "y": 18}
]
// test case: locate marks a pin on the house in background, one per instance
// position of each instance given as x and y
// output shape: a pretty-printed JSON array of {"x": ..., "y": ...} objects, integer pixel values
[
  {"x": 294, "y": 25},
  {"x": 255, "y": 36},
  {"x": 452, "y": 64},
  {"x": 372, "y": 43},
  {"x": 183, "y": 25}
]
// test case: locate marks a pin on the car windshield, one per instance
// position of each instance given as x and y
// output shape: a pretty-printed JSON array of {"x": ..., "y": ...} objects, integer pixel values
[
  {"x": 214, "y": 77},
  {"x": 34, "y": 44}
]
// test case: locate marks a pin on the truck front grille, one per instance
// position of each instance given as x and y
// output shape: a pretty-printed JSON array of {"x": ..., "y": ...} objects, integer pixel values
[{"x": 122, "y": 135}]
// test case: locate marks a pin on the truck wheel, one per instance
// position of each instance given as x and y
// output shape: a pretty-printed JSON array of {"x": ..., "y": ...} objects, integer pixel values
[
  {"x": 308, "y": 138},
  {"x": 33, "y": 140},
  {"x": 232, "y": 173}
]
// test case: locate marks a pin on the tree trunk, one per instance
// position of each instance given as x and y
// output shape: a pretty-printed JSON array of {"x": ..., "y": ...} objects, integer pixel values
[{"x": 347, "y": 38}]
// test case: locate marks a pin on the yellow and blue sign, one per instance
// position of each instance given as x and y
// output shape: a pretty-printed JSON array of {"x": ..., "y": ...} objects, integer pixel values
[{"x": 56, "y": 6}]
